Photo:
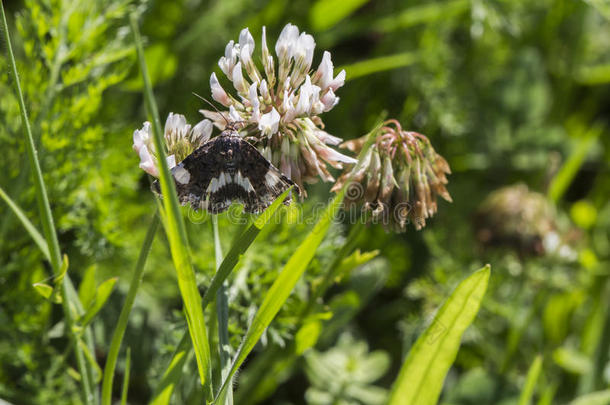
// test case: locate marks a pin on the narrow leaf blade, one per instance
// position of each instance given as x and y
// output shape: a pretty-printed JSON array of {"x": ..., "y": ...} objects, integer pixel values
[{"x": 422, "y": 374}]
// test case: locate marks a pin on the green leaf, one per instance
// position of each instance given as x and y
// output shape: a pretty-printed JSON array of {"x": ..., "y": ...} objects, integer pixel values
[
  {"x": 422, "y": 374},
  {"x": 29, "y": 227},
  {"x": 173, "y": 372},
  {"x": 594, "y": 398},
  {"x": 62, "y": 271},
  {"x": 43, "y": 289},
  {"x": 86, "y": 289},
  {"x": 101, "y": 296},
  {"x": 381, "y": 64},
  {"x": 530, "y": 382},
  {"x": 420, "y": 14},
  {"x": 325, "y": 14},
  {"x": 566, "y": 174},
  {"x": 282, "y": 287},
  {"x": 176, "y": 231},
  {"x": 126, "y": 377}
]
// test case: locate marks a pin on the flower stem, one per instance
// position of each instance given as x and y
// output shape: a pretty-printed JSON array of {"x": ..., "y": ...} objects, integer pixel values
[
  {"x": 222, "y": 314},
  {"x": 47, "y": 219}
]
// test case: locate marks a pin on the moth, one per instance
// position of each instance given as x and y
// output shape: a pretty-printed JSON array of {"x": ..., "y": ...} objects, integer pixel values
[{"x": 228, "y": 169}]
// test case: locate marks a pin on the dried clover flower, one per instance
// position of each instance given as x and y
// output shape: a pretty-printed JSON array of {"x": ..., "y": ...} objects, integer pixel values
[
  {"x": 398, "y": 179},
  {"x": 279, "y": 105},
  {"x": 180, "y": 139},
  {"x": 525, "y": 220}
]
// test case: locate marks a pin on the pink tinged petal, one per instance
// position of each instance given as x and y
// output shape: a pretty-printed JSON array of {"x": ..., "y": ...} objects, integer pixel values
[
  {"x": 329, "y": 100},
  {"x": 147, "y": 163},
  {"x": 227, "y": 62},
  {"x": 201, "y": 133},
  {"x": 245, "y": 39},
  {"x": 218, "y": 93},
  {"x": 238, "y": 79},
  {"x": 141, "y": 137},
  {"x": 269, "y": 123},
  {"x": 254, "y": 103},
  {"x": 338, "y": 81},
  {"x": 324, "y": 74},
  {"x": 288, "y": 110}
]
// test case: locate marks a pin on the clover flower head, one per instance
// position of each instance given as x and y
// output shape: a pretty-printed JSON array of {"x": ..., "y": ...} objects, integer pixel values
[
  {"x": 398, "y": 178},
  {"x": 180, "y": 140},
  {"x": 279, "y": 102}
]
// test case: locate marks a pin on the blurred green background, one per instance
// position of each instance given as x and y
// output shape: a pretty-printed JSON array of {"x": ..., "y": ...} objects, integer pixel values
[{"x": 512, "y": 93}]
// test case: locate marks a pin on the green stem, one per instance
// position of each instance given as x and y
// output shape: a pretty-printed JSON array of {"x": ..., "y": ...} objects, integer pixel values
[
  {"x": 47, "y": 217},
  {"x": 176, "y": 231},
  {"x": 119, "y": 332},
  {"x": 222, "y": 314}
]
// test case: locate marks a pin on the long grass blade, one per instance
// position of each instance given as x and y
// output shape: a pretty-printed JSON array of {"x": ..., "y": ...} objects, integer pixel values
[
  {"x": 126, "y": 377},
  {"x": 422, "y": 374},
  {"x": 176, "y": 231},
  {"x": 530, "y": 381},
  {"x": 380, "y": 64},
  {"x": 282, "y": 287},
  {"x": 29, "y": 227},
  {"x": 121, "y": 326},
  {"x": 172, "y": 373},
  {"x": 47, "y": 218}
]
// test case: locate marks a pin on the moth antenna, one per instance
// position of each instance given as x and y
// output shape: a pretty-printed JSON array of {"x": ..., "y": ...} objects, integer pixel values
[{"x": 214, "y": 107}]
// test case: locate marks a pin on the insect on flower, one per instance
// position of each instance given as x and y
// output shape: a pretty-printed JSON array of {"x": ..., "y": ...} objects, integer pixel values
[
  {"x": 212, "y": 173},
  {"x": 280, "y": 104}
]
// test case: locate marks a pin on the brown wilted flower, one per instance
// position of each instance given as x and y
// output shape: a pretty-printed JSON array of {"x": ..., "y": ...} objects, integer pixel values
[
  {"x": 524, "y": 220},
  {"x": 279, "y": 105},
  {"x": 397, "y": 180}
]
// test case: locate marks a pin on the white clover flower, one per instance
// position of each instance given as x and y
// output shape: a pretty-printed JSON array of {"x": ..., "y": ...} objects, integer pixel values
[
  {"x": 180, "y": 139},
  {"x": 280, "y": 103}
]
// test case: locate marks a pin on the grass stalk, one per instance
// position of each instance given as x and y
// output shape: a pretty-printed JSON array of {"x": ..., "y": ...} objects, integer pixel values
[
  {"x": 119, "y": 332},
  {"x": 47, "y": 219},
  {"x": 222, "y": 315},
  {"x": 176, "y": 232}
]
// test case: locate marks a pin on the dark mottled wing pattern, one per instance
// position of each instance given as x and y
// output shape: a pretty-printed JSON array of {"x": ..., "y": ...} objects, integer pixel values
[{"x": 228, "y": 169}]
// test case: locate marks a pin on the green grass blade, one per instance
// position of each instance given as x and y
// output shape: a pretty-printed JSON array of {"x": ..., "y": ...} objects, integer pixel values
[
  {"x": 570, "y": 168},
  {"x": 222, "y": 316},
  {"x": 530, "y": 381},
  {"x": 422, "y": 14},
  {"x": 172, "y": 374},
  {"x": 422, "y": 374},
  {"x": 593, "y": 398},
  {"x": 239, "y": 248},
  {"x": 29, "y": 227},
  {"x": 325, "y": 14},
  {"x": 283, "y": 285},
  {"x": 176, "y": 232},
  {"x": 119, "y": 331},
  {"x": 126, "y": 377},
  {"x": 47, "y": 217},
  {"x": 381, "y": 64}
]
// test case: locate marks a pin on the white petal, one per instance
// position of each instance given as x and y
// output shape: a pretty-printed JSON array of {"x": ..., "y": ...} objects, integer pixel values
[
  {"x": 305, "y": 46},
  {"x": 338, "y": 81},
  {"x": 324, "y": 74},
  {"x": 171, "y": 161},
  {"x": 329, "y": 100},
  {"x": 201, "y": 132},
  {"x": 238, "y": 79},
  {"x": 141, "y": 137},
  {"x": 269, "y": 123},
  {"x": 218, "y": 93},
  {"x": 245, "y": 39},
  {"x": 234, "y": 115},
  {"x": 286, "y": 42},
  {"x": 264, "y": 90},
  {"x": 147, "y": 163},
  {"x": 254, "y": 102}
]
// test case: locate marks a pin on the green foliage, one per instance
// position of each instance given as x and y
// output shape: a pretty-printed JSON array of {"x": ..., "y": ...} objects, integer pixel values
[{"x": 509, "y": 92}]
